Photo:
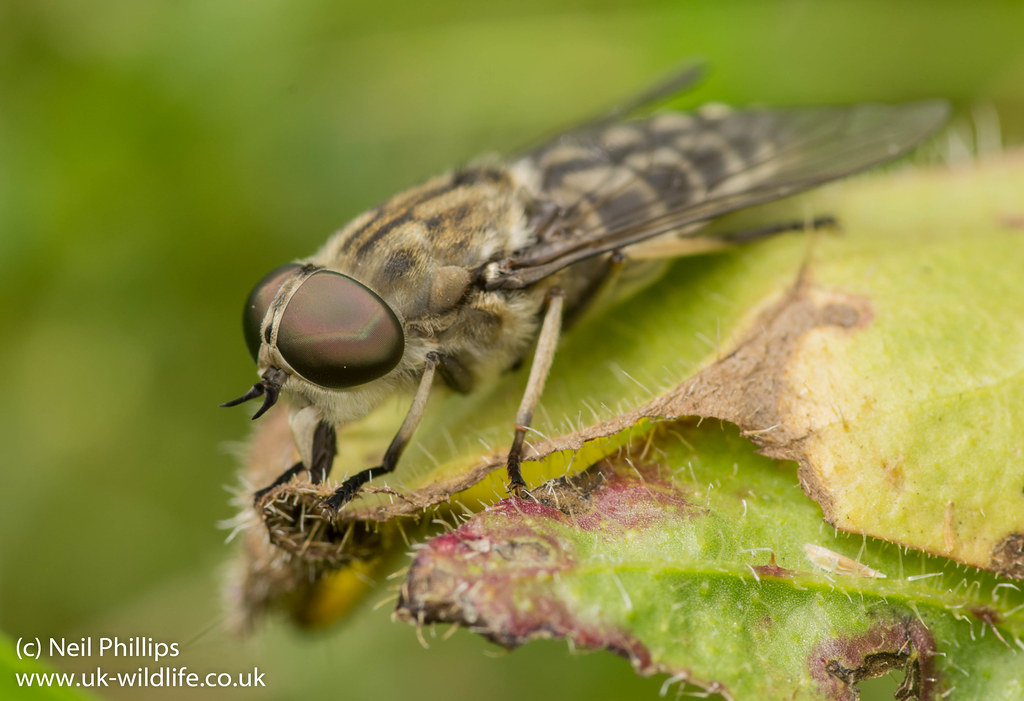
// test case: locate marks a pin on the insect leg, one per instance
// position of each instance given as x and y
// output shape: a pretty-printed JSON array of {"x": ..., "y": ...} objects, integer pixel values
[
  {"x": 745, "y": 235},
  {"x": 324, "y": 449},
  {"x": 455, "y": 374},
  {"x": 350, "y": 486},
  {"x": 281, "y": 479},
  {"x": 542, "y": 357},
  {"x": 599, "y": 292},
  {"x": 686, "y": 244}
]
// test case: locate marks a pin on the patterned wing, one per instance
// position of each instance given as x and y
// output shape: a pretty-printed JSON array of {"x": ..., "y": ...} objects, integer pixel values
[{"x": 611, "y": 185}]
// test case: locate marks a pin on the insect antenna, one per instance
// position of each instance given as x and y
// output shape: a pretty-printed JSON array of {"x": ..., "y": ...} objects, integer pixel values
[
  {"x": 257, "y": 390},
  {"x": 268, "y": 401},
  {"x": 270, "y": 386}
]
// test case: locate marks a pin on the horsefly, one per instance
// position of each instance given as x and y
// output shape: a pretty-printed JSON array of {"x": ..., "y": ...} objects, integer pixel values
[{"x": 463, "y": 276}]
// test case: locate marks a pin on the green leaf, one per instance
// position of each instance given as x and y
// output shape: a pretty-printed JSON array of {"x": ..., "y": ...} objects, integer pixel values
[{"x": 689, "y": 555}]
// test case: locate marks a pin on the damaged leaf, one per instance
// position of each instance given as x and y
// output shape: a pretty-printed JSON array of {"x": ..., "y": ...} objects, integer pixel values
[
  {"x": 883, "y": 358},
  {"x": 687, "y": 554}
]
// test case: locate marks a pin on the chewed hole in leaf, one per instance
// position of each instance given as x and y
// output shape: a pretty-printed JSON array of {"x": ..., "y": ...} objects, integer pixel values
[{"x": 905, "y": 646}]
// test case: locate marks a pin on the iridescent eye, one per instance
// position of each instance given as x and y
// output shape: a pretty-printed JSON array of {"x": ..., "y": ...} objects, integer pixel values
[
  {"x": 337, "y": 333},
  {"x": 258, "y": 303}
]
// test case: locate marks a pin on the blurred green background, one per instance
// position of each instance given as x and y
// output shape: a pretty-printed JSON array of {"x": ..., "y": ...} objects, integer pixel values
[{"x": 156, "y": 158}]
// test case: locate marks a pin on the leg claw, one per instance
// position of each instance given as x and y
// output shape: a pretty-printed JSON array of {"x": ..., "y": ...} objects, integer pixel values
[
  {"x": 347, "y": 491},
  {"x": 332, "y": 504},
  {"x": 516, "y": 485},
  {"x": 517, "y": 488}
]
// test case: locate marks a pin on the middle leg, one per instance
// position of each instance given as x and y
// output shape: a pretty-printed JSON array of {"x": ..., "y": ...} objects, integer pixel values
[{"x": 547, "y": 342}]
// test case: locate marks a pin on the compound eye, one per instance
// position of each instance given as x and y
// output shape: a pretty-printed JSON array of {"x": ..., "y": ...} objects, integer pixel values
[
  {"x": 338, "y": 333},
  {"x": 258, "y": 303}
]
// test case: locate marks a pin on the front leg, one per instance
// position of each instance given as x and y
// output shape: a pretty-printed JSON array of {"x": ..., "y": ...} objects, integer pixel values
[
  {"x": 321, "y": 458},
  {"x": 547, "y": 342},
  {"x": 348, "y": 489}
]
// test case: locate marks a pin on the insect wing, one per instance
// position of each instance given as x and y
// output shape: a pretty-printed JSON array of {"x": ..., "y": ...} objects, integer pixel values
[
  {"x": 604, "y": 188},
  {"x": 672, "y": 86}
]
